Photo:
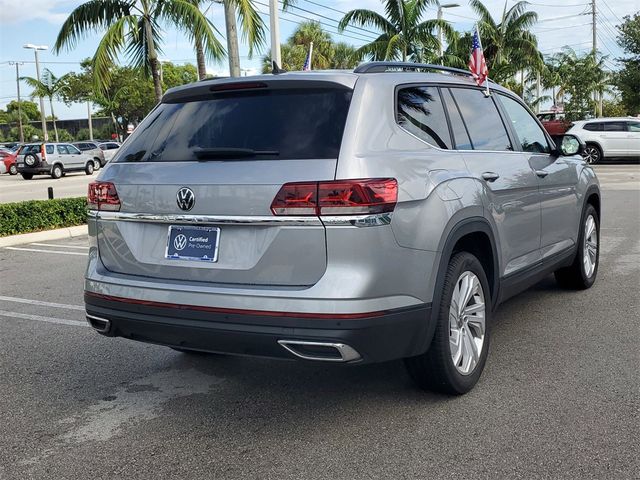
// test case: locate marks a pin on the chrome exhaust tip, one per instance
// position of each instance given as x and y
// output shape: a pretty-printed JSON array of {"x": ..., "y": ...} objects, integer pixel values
[
  {"x": 99, "y": 324},
  {"x": 321, "y": 351}
]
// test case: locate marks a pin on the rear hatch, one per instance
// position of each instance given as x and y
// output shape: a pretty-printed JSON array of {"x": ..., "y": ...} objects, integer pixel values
[{"x": 214, "y": 157}]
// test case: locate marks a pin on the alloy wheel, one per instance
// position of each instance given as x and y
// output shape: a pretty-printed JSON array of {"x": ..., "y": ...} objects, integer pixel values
[
  {"x": 467, "y": 323},
  {"x": 590, "y": 247},
  {"x": 591, "y": 154}
]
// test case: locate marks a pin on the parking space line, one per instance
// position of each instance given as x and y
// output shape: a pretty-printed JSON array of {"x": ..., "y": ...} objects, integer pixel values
[
  {"x": 40, "y": 318},
  {"x": 59, "y": 246},
  {"x": 45, "y": 251},
  {"x": 41, "y": 303}
]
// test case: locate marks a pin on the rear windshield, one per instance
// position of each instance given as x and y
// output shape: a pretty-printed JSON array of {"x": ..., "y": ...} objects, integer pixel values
[{"x": 288, "y": 124}]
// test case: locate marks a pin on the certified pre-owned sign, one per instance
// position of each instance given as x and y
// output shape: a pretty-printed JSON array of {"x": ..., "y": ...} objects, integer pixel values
[{"x": 193, "y": 243}]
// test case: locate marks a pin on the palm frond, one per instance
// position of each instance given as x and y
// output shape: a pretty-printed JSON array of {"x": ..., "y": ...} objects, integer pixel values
[
  {"x": 253, "y": 28},
  {"x": 108, "y": 49},
  {"x": 90, "y": 16},
  {"x": 366, "y": 18}
]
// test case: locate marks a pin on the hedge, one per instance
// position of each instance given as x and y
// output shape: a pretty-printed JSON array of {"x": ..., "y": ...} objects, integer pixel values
[{"x": 36, "y": 215}]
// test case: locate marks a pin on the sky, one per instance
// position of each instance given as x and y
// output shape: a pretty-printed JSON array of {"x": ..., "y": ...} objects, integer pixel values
[{"x": 38, "y": 22}]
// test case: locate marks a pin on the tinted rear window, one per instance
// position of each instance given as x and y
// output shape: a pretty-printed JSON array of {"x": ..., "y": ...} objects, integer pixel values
[
  {"x": 594, "y": 127},
  {"x": 297, "y": 123}
]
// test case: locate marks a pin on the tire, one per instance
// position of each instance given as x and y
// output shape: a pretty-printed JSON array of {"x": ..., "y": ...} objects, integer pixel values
[
  {"x": 88, "y": 168},
  {"x": 13, "y": 169},
  {"x": 96, "y": 164},
  {"x": 56, "y": 171},
  {"x": 592, "y": 154},
  {"x": 436, "y": 369},
  {"x": 583, "y": 271},
  {"x": 27, "y": 176}
]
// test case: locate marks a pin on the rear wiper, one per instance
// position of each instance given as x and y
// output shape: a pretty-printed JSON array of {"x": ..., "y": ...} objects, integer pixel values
[{"x": 206, "y": 153}]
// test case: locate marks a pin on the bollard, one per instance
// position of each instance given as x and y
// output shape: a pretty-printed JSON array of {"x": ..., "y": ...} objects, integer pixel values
[{"x": 50, "y": 193}]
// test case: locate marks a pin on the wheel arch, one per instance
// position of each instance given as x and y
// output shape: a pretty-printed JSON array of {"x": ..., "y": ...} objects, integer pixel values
[{"x": 472, "y": 233}]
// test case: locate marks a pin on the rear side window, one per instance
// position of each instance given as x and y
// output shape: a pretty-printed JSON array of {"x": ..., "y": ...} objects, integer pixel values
[
  {"x": 615, "y": 127},
  {"x": 633, "y": 126},
  {"x": 62, "y": 150},
  {"x": 460, "y": 134},
  {"x": 594, "y": 127},
  {"x": 289, "y": 123},
  {"x": 420, "y": 112},
  {"x": 531, "y": 136},
  {"x": 482, "y": 120}
]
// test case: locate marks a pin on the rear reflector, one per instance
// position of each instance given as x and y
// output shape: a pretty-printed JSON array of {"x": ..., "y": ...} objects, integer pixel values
[
  {"x": 103, "y": 196},
  {"x": 339, "y": 197}
]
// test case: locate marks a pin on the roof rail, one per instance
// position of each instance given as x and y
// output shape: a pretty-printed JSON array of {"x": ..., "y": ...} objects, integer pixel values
[{"x": 380, "y": 67}]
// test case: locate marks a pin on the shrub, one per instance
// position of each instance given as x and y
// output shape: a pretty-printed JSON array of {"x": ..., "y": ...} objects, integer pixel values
[{"x": 36, "y": 215}]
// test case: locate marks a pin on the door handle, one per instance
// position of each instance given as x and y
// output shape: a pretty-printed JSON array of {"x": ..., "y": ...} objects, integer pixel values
[
  {"x": 490, "y": 176},
  {"x": 542, "y": 173}
]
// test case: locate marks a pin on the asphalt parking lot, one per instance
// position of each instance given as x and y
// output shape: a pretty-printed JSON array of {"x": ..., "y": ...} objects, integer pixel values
[
  {"x": 559, "y": 398},
  {"x": 13, "y": 188}
]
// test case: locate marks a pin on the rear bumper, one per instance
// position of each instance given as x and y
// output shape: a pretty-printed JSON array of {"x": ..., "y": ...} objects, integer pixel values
[
  {"x": 35, "y": 170},
  {"x": 375, "y": 336}
]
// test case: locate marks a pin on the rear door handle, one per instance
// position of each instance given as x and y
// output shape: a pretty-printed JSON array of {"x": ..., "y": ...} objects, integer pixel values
[
  {"x": 542, "y": 173},
  {"x": 490, "y": 176}
]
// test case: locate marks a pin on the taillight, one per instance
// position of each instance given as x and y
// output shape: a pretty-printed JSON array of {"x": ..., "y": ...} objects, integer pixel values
[
  {"x": 339, "y": 197},
  {"x": 103, "y": 196},
  {"x": 43, "y": 153}
]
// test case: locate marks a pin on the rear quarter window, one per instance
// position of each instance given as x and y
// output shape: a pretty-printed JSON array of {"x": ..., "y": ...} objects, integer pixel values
[
  {"x": 593, "y": 127},
  {"x": 304, "y": 123}
]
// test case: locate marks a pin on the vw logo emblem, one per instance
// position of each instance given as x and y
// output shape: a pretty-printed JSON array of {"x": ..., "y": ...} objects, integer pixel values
[
  {"x": 180, "y": 242},
  {"x": 186, "y": 198}
]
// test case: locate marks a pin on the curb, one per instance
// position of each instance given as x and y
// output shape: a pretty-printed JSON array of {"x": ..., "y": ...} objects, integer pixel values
[{"x": 57, "y": 234}]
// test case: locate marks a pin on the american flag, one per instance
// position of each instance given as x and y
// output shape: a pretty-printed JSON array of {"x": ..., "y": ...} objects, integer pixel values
[
  {"x": 477, "y": 63},
  {"x": 307, "y": 61}
]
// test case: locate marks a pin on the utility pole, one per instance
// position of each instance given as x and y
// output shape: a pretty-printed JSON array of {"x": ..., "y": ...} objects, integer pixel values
[
  {"x": 90, "y": 120},
  {"x": 20, "y": 129},
  {"x": 538, "y": 92},
  {"x": 440, "y": 36},
  {"x": 35, "y": 48},
  {"x": 232, "y": 38},
  {"x": 593, "y": 26},
  {"x": 275, "y": 32}
]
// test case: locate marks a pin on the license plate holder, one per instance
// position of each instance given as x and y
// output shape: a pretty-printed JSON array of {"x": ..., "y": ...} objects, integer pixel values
[{"x": 196, "y": 244}]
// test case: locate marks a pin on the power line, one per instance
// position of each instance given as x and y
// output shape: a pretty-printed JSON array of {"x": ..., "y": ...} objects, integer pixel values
[
  {"x": 612, "y": 12},
  {"x": 328, "y": 18},
  {"x": 558, "y": 6},
  {"x": 562, "y": 28}
]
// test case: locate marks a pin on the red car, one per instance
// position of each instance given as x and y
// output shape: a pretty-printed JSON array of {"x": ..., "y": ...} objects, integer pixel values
[
  {"x": 554, "y": 123},
  {"x": 8, "y": 159}
]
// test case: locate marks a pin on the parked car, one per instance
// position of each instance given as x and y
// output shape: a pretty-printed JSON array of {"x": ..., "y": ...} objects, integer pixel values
[
  {"x": 384, "y": 220},
  {"x": 10, "y": 146},
  {"x": 53, "y": 159},
  {"x": 109, "y": 149},
  {"x": 608, "y": 138},
  {"x": 92, "y": 148},
  {"x": 8, "y": 161},
  {"x": 554, "y": 123}
]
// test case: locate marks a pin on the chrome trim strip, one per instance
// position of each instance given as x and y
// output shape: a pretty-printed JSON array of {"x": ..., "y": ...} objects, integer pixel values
[
  {"x": 204, "y": 219},
  {"x": 330, "y": 220},
  {"x": 374, "y": 220},
  {"x": 347, "y": 353}
]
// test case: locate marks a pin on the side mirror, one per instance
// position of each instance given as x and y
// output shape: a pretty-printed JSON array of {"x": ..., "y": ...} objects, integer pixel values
[{"x": 568, "y": 145}]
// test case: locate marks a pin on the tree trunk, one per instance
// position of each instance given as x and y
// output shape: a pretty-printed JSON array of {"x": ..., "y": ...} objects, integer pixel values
[
  {"x": 53, "y": 119},
  {"x": 202, "y": 69},
  {"x": 153, "y": 60},
  {"x": 232, "y": 39}
]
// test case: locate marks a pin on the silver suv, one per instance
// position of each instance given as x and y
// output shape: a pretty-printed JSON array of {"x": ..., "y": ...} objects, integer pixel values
[
  {"x": 53, "y": 159},
  {"x": 345, "y": 217}
]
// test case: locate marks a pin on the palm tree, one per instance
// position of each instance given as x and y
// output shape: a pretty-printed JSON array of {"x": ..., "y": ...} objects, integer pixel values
[
  {"x": 404, "y": 34},
  {"x": 326, "y": 53},
  {"x": 133, "y": 27},
  {"x": 253, "y": 31},
  {"x": 508, "y": 45},
  {"x": 51, "y": 87}
]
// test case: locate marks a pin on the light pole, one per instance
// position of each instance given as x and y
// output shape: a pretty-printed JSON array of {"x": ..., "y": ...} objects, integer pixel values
[
  {"x": 35, "y": 48},
  {"x": 274, "y": 30},
  {"x": 440, "y": 39},
  {"x": 21, "y": 130}
]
